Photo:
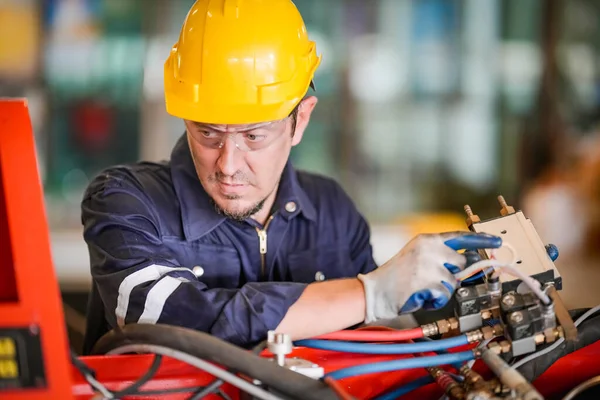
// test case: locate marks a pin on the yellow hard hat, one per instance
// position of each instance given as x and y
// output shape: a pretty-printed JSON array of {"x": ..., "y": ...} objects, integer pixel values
[{"x": 239, "y": 62}]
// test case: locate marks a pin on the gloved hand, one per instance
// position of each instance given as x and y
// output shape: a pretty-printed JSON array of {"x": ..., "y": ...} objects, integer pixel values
[{"x": 419, "y": 275}]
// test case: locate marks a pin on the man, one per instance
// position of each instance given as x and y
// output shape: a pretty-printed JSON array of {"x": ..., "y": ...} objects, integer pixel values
[{"x": 227, "y": 237}]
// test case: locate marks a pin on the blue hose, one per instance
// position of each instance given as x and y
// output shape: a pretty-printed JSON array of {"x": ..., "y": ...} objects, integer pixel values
[
  {"x": 368, "y": 348},
  {"x": 406, "y": 363},
  {"x": 405, "y": 389},
  {"x": 475, "y": 277},
  {"x": 457, "y": 366}
]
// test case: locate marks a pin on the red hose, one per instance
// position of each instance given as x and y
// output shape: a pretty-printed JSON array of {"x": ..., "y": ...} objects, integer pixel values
[{"x": 376, "y": 335}]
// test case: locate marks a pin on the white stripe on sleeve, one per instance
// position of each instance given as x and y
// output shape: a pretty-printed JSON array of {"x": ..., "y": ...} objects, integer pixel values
[
  {"x": 157, "y": 297},
  {"x": 147, "y": 274}
]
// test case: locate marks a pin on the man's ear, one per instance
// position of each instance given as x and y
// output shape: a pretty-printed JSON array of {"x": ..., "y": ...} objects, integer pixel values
[{"x": 305, "y": 110}]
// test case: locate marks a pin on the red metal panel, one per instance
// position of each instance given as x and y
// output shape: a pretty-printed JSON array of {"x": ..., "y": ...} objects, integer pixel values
[
  {"x": 26, "y": 240},
  {"x": 119, "y": 371}
]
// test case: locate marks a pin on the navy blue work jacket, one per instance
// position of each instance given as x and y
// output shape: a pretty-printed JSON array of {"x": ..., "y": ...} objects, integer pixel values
[{"x": 160, "y": 253}]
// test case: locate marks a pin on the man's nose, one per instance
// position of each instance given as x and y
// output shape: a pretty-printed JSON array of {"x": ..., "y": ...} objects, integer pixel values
[{"x": 230, "y": 157}]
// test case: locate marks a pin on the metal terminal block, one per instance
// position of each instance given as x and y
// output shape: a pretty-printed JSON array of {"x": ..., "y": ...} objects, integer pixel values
[
  {"x": 523, "y": 346},
  {"x": 470, "y": 322},
  {"x": 430, "y": 329},
  {"x": 280, "y": 344},
  {"x": 305, "y": 367},
  {"x": 472, "y": 300}
]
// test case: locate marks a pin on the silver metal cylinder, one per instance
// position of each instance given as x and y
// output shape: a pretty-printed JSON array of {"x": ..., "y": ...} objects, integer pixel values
[{"x": 510, "y": 377}]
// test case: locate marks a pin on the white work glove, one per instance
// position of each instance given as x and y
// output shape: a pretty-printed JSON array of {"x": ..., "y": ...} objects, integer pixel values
[{"x": 421, "y": 274}]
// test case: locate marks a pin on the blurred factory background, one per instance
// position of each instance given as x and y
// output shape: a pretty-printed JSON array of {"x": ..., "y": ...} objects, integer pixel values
[{"x": 424, "y": 106}]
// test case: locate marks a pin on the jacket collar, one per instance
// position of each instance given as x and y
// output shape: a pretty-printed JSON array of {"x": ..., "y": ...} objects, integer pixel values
[{"x": 198, "y": 215}]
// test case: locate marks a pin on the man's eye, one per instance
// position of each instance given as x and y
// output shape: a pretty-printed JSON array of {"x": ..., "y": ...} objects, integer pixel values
[
  {"x": 254, "y": 138},
  {"x": 209, "y": 135}
]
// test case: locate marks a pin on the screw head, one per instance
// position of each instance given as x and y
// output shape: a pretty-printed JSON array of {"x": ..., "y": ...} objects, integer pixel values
[
  {"x": 516, "y": 316},
  {"x": 462, "y": 292},
  {"x": 508, "y": 300}
]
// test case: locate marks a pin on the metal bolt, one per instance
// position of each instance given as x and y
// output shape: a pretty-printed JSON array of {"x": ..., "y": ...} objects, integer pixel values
[
  {"x": 508, "y": 300},
  {"x": 502, "y": 201},
  {"x": 468, "y": 210},
  {"x": 516, "y": 317},
  {"x": 462, "y": 292}
]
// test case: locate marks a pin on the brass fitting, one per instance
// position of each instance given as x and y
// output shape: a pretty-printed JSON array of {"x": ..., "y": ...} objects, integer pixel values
[
  {"x": 474, "y": 336},
  {"x": 506, "y": 209},
  {"x": 488, "y": 332},
  {"x": 472, "y": 378},
  {"x": 498, "y": 330},
  {"x": 539, "y": 338},
  {"x": 452, "y": 388},
  {"x": 453, "y": 323},
  {"x": 430, "y": 329},
  {"x": 495, "y": 347},
  {"x": 443, "y": 326},
  {"x": 471, "y": 218},
  {"x": 505, "y": 346}
]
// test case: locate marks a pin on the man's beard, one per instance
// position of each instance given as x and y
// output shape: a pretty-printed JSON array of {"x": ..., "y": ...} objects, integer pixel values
[
  {"x": 236, "y": 215},
  {"x": 240, "y": 215}
]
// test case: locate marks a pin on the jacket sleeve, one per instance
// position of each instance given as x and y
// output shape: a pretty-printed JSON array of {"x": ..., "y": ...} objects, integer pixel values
[{"x": 139, "y": 278}]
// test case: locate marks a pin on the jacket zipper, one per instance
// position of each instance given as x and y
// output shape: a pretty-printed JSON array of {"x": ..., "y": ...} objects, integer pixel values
[{"x": 262, "y": 245}]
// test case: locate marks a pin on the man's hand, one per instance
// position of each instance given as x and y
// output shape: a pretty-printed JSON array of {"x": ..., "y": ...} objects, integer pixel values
[{"x": 421, "y": 274}]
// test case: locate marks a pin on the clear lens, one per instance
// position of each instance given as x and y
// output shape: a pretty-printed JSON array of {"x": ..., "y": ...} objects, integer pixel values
[{"x": 251, "y": 138}]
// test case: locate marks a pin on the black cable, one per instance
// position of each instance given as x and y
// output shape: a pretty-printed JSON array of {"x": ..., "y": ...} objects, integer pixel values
[
  {"x": 213, "y": 387},
  {"x": 206, "y": 347}
]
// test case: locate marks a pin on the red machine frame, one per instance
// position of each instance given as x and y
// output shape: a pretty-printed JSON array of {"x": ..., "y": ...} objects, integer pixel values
[{"x": 29, "y": 297}]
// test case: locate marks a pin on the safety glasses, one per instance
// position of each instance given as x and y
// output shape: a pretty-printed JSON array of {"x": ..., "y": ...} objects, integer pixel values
[{"x": 246, "y": 138}]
